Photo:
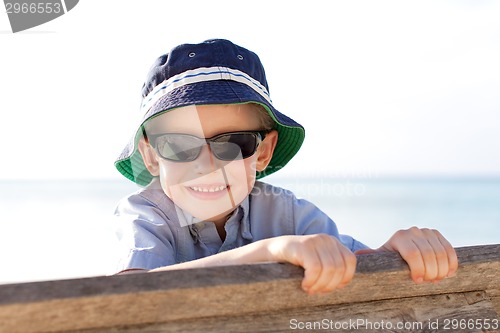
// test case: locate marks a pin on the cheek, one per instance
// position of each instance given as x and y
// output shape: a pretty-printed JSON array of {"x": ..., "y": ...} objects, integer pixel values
[
  {"x": 250, "y": 170},
  {"x": 170, "y": 174},
  {"x": 240, "y": 175}
]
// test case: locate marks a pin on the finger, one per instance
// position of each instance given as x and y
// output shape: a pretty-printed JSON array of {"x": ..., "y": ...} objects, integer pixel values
[
  {"x": 350, "y": 268},
  {"x": 441, "y": 254},
  {"x": 332, "y": 266},
  {"x": 313, "y": 260},
  {"x": 413, "y": 257},
  {"x": 335, "y": 277},
  {"x": 428, "y": 255},
  {"x": 312, "y": 269},
  {"x": 452, "y": 255}
]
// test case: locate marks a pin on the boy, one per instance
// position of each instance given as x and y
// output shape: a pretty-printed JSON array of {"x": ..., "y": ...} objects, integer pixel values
[{"x": 209, "y": 131}]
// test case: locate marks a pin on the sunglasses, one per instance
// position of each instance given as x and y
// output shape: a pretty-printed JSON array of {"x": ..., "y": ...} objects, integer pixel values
[{"x": 226, "y": 147}]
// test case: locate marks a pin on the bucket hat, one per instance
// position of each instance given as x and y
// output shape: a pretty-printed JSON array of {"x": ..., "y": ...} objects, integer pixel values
[{"x": 215, "y": 71}]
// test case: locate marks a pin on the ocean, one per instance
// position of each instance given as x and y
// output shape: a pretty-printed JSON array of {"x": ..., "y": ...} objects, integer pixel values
[{"x": 64, "y": 229}]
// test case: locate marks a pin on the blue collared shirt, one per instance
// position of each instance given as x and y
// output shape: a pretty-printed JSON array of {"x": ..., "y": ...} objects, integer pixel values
[{"x": 154, "y": 232}]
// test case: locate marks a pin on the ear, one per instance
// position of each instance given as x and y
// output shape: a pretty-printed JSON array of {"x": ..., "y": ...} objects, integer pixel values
[
  {"x": 266, "y": 150},
  {"x": 149, "y": 157}
]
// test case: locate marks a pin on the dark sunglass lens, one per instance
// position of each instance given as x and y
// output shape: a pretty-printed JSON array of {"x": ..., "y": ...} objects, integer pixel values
[
  {"x": 180, "y": 148},
  {"x": 234, "y": 146}
]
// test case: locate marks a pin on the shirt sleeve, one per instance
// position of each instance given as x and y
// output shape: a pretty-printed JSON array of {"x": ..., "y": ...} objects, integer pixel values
[
  {"x": 309, "y": 220},
  {"x": 146, "y": 240}
]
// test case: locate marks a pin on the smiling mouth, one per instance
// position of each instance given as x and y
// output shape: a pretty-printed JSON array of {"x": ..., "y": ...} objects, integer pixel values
[{"x": 211, "y": 189}]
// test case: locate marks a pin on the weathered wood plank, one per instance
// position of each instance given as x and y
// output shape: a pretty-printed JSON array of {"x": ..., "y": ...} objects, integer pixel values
[
  {"x": 494, "y": 294},
  {"x": 438, "y": 313},
  {"x": 187, "y": 295}
]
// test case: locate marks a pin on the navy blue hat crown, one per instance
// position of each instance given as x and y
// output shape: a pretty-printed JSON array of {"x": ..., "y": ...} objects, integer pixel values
[{"x": 210, "y": 53}]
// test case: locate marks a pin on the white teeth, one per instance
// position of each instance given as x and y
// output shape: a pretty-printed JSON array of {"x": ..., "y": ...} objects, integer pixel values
[{"x": 208, "y": 189}]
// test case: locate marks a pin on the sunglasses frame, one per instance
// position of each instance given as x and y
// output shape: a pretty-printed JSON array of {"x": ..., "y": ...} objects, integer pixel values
[{"x": 151, "y": 138}]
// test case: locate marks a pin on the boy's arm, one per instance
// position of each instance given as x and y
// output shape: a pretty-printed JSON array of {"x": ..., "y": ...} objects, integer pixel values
[
  {"x": 327, "y": 263},
  {"x": 428, "y": 254}
]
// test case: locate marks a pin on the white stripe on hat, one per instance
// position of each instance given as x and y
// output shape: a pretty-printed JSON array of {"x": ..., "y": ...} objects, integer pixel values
[{"x": 202, "y": 74}]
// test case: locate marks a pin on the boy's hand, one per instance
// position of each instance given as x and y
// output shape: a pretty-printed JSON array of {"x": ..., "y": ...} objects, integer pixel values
[
  {"x": 428, "y": 254},
  {"x": 327, "y": 263}
]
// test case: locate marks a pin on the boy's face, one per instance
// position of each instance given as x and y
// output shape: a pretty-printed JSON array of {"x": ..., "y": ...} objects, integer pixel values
[{"x": 208, "y": 188}]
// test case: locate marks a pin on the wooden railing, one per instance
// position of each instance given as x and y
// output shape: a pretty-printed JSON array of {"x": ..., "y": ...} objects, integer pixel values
[{"x": 261, "y": 298}]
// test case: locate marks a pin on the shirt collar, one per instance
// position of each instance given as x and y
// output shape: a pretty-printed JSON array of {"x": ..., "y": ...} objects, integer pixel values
[
  {"x": 245, "y": 220},
  {"x": 240, "y": 215}
]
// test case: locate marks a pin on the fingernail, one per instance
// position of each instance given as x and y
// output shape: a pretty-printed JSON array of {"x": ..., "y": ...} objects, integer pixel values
[
  {"x": 451, "y": 274},
  {"x": 419, "y": 280}
]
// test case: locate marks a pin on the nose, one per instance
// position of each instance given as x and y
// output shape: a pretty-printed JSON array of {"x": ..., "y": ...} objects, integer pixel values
[{"x": 205, "y": 163}]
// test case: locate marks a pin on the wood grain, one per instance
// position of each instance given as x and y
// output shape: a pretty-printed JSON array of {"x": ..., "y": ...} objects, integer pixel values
[
  {"x": 268, "y": 293},
  {"x": 416, "y": 314}
]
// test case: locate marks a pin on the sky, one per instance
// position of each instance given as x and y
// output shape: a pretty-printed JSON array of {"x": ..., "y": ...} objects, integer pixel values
[
  {"x": 396, "y": 88},
  {"x": 382, "y": 87}
]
